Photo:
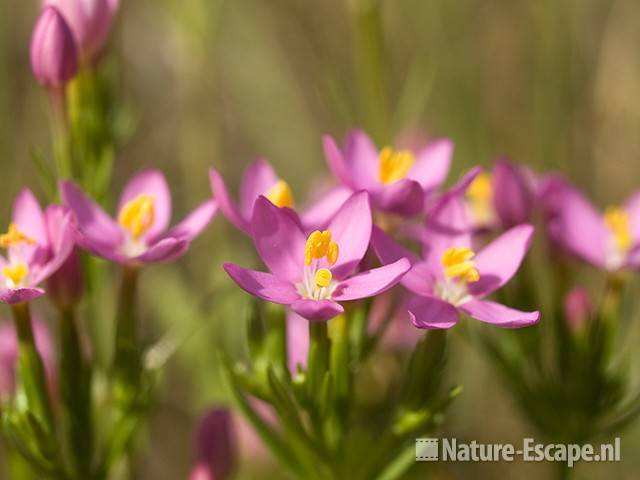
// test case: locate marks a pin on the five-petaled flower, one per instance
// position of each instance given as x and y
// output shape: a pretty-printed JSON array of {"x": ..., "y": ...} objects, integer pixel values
[
  {"x": 397, "y": 180},
  {"x": 313, "y": 273},
  {"x": 36, "y": 244},
  {"x": 451, "y": 277},
  {"x": 139, "y": 235}
]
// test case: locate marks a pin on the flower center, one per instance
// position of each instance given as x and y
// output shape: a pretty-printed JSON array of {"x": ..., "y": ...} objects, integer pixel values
[
  {"x": 15, "y": 274},
  {"x": 617, "y": 221},
  {"x": 137, "y": 215},
  {"x": 320, "y": 252},
  {"x": 459, "y": 271},
  {"x": 457, "y": 264},
  {"x": 394, "y": 164},
  {"x": 479, "y": 197},
  {"x": 280, "y": 195},
  {"x": 14, "y": 237}
]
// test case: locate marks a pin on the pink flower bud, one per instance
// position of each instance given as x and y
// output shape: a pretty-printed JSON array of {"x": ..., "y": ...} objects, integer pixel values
[
  {"x": 54, "y": 57},
  {"x": 215, "y": 448},
  {"x": 90, "y": 22},
  {"x": 577, "y": 307}
]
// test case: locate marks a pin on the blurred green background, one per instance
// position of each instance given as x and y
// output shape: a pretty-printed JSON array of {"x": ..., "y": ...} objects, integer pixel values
[{"x": 554, "y": 84}]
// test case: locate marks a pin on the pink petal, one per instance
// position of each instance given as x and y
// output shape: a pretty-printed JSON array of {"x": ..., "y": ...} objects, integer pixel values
[
  {"x": 150, "y": 182},
  {"x": 263, "y": 285},
  {"x": 20, "y": 295},
  {"x": 279, "y": 240},
  {"x": 431, "y": 313},
  {"x": 351, "y": 230},
  {"x": 404, "y": 197},
  {"x": 318, "y": 310},
  {"x": 297, "y": 341},
  {"x": 227, "y": 205},
  {"x": 95, "y": 226},
  {"x": 361, "y": 159},
  {"x": 500, "y": 260},
  {"x": 163, "y": 251},
  {"x": 632, "y": 207},
  {"x": 28, "y": 216},
  {"x": 318, "y": 215},
  {"x": 512, "y": 195},
  {"x": 61, "y": 233},
  {"x": 372, "y": 282},
  {"x": 498, "y": 314},
  {"x": 432, "y": 164},
  {"x": 336, "y": 162},
  {"x": 194, "y": 223},
  {"x": 257, "y": 180}
]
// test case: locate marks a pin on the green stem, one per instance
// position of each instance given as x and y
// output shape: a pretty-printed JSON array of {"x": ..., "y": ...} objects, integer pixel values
[
  {"x": 75, "y": 391},
  {"x": 31, "y": 369},
  {"x": 318, "y": 363},
  {"x": 60, "y": 129},
  {"x": 127, "y": 355}
]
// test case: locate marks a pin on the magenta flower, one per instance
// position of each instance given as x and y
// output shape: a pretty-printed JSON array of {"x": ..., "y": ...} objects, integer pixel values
[
  {"x": 501, "y": 199},
  {"x": 215, "y": 446},
  {"x": 451, "y": 277},
  {"x": 9, "y": 355},
  {"x": 139, "y": 235},
  {"x": 313, "y": 273},
  {"x": 54, "y": 57},
  {"x": 261, "y": 179},
  {"x": 89, "y": 20},
  {"x": 397, "y": 180},
  {"x": 578, "y": 307},
  {"x": 609, "y": 240},
  {"x": 35, "y": 248}
]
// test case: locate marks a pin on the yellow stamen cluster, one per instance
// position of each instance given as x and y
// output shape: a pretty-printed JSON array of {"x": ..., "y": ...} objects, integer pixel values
[
  {"x": 617, "y": 221},
  {"x": 15, "y": 273},
  {"x": 137, "y": 215},
  {"x": 280, "y": 195},
  {"x": 394, "y": 164},
  {"x": 323, "y": 277},
  {"x": 14, "y": 237},
  {"x": 479, "y": 194},
  {"x": 457, "y": 263},
  {"x": 319, "y": 245}
]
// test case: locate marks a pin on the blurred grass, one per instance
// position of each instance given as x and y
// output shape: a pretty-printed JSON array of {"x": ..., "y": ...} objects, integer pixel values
[{"x": 554, "y": 84}]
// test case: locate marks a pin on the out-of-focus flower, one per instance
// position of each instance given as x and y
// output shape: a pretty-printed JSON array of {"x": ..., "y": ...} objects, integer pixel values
[
  {"x": 54, "y": 55},
  {"x": 139, "y": 235},
  {"x": 313, "y": 273},
  {"x": 297, "y": 341},
  {"x": 451, "y": 277},
  {"x": 577, "y": 307},
  {"x": 89, "y": 20},
  {"x": 215, "y": 447},
  {"x": 261, "y": 179},
  {"x": 609, "y": 240},
  {"x": 9, "y": 354},
  {"x": 501, "y": 199},
  {"x": 33, "y": 251},
  {"x": 397, "y": 180}
]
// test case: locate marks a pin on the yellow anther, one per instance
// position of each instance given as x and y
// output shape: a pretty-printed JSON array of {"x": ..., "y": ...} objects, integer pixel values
[
  {"x": 458, "y": 263},
  {"x": 323, "y": 277},
  {"x": 332, "y": 253},
  {"x": 394, "y": 164},
  {"x": 137, "y": 215},
  {"x": 479, "y": 195},
  {"x": 319, "y": 245},
  {"x": 14, "y": 237},
  {"x": 280, "y": 195},
  {"x": 15, "y": 273},
  {"x": 617, "y": 221}
]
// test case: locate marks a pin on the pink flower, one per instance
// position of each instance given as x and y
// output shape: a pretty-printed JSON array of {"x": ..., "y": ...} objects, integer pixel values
[
  {"x": 215, "y": 447},
  {"x": 577, "y": 307},
  {"x": 54, "y": 57},
  {"x": 139, "y": 235},
  {"x": 609, "y": 240},
  {"x": 397, "y": 180},
  {"x": 35, "y": 248},
  {"x": 451, "y": 277},
  {"x": 313, "y": 273},
  {"x": 90, "y": 22}
]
